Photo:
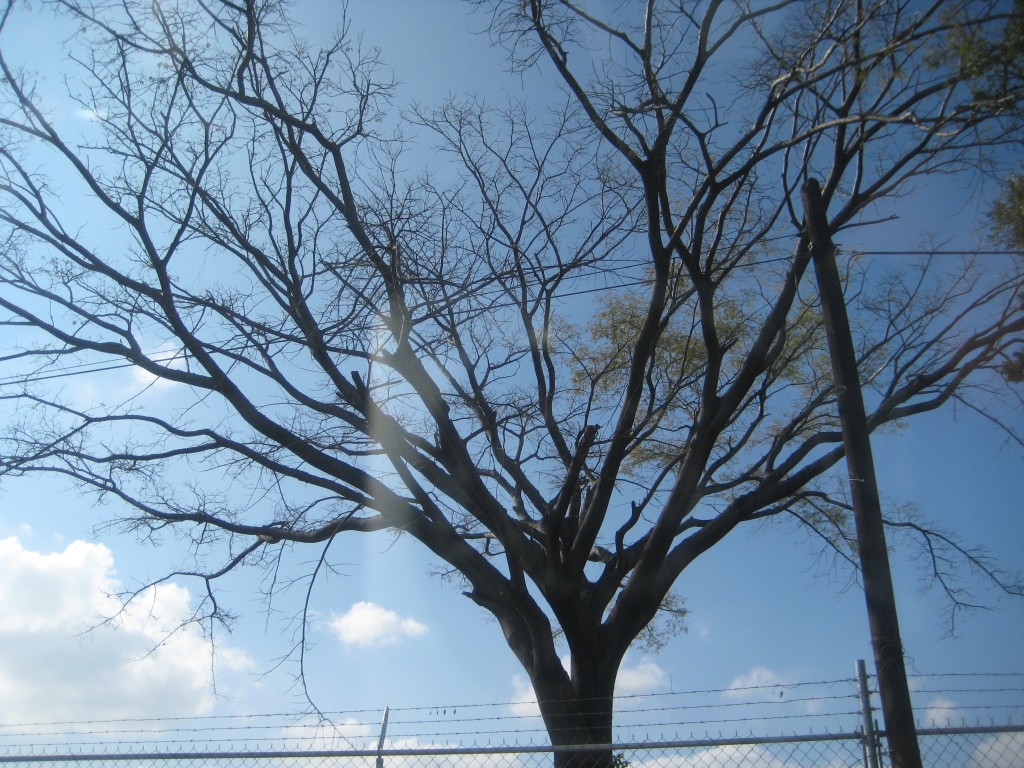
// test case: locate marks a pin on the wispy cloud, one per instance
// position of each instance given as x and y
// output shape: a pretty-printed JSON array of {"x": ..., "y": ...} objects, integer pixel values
[
  {"x": 759, "y": 683},
  {"x": 367, "y": 624},
  {"x": 91, "y": 115}
]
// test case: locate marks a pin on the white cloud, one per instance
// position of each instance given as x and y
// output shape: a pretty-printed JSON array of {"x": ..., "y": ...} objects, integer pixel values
[
  {"x": 57, "y": 664},
  {"x": 524, "y": 700},
  {"x": 413, "y": 743},
  {"x": 734, "y": 755},
  {"x": 645, "y": 677},
  {"x": 940, "y": 712},
  {"x": 758, "y": 684},
  {"x": 168, "y": 355},
  {"x": 75, "y": 584},
  {"x": 1002, "y": 751},
  {"x": 320, "y": 734},
  {"x": 368, "y": 624},
  {"x": 633, "y": 680}
]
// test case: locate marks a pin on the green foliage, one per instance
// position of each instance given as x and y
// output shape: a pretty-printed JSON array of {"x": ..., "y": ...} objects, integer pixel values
[
  {"x": 999, "y": 66},
  {"x": 675, "y": 375},
  {"x": 1007, "y": 214},
  {"x": 670, "y": 622},
  {"x": 993, "y": 68},
  {"x": 1013, "y": 369},
  {"x": 996, "y": 69}
]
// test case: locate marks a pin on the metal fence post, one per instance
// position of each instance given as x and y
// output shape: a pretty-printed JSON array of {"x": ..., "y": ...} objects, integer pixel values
[
  {"x": 380, "y": 742},
  {"x": 867, "y": 720}
]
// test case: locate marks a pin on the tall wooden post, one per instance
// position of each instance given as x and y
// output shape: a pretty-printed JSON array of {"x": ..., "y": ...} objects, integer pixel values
[{"x": 900, "y": 731}]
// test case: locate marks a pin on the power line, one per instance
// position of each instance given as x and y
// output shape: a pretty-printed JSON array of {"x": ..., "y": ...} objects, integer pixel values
[
  {"x": 935, "y": 252},
  {"x": 84, "y": 369}
]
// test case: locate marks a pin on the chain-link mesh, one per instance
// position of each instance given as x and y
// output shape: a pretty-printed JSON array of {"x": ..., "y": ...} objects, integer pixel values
[
  {"x": 996, "y": 747},
  {"x": 993, "y": 747}
]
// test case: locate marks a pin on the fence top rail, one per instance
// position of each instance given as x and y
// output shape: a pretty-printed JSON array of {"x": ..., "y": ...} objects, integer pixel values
[
  {"x": 967, "y": 729},
  {"x": 177, "y": 755},
  {"x": 423, "y": 751}
]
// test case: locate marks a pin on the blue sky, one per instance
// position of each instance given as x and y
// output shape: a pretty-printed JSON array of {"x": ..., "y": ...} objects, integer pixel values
[{"x": 384, "y": 632}]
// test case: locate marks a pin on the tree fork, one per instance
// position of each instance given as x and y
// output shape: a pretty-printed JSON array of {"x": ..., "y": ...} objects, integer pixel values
[{"x": 883, "y": 621}]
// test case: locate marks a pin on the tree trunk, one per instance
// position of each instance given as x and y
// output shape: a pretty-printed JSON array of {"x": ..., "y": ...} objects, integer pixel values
[
  {"x": 590, "y": 724},
  {"x": 585, "y": 719}
]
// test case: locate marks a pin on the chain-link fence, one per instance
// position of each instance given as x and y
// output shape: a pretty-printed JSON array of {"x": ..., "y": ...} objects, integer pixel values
[
  {"x": 992, "y": 747},
  {"x": 836, "y": 717},
  {"x": 978, "y": 747}
]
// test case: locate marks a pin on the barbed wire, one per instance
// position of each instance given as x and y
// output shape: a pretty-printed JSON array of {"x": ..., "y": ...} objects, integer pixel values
[
  {"x": 976, "y": 691},
  {"x": 396, "y": 711},
  {"x": 622, "y": 700},
  {"x": 766, "y": 704},
  {"x": 966, "y": 674}
]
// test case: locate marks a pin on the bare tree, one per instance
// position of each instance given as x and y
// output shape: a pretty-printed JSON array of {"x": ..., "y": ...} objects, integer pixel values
[{"x": 392, "y": 354}]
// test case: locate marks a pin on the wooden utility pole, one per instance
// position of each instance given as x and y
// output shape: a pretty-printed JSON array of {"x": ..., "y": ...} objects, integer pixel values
[{"x": 900, "y": 731}]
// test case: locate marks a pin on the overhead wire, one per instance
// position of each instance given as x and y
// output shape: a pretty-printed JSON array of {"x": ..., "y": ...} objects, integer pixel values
[{"x": 88, "y": 369}]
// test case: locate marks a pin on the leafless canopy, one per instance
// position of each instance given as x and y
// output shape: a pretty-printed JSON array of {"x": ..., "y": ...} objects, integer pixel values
[{"x": 568, "y": 372}]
